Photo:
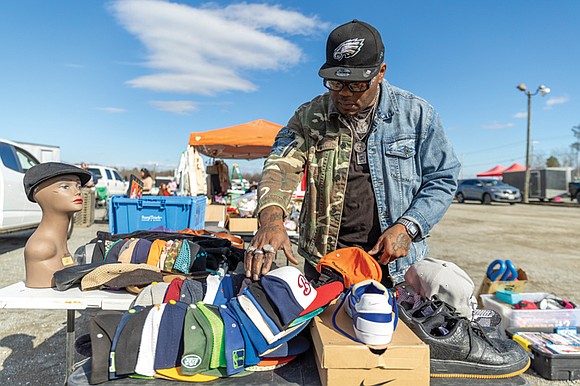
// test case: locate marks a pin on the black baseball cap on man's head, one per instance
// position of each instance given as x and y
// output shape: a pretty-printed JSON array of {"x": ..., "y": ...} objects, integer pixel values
[
  {"x": 354, "y": 52},
  {"x": 45, "y": 171}
]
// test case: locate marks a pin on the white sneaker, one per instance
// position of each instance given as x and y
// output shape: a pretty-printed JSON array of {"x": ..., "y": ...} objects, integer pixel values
[{"x": 373, "y": 310}]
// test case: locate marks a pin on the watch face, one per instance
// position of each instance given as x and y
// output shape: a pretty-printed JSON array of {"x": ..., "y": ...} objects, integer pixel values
[{"x": 413, "y": 230}]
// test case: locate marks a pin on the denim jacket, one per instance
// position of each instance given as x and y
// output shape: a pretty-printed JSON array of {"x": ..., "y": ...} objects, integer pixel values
[{"x": 412, "y": 164}]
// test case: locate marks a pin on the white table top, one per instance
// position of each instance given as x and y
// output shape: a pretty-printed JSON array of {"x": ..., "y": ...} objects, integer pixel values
[{"x": 18, "y": 295}]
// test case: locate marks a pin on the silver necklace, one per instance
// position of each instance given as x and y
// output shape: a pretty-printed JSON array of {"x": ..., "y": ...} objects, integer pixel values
[{"x": 360, "y": 128}]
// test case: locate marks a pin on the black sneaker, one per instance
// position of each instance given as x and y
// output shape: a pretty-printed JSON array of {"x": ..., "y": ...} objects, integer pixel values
[
  {"x": 460, "y": 349},
  {"x": 425, "y": 309},
  {"x": 490, "y": 322}
]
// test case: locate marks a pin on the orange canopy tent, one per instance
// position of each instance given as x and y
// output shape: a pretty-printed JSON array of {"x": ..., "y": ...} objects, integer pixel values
[
  {"x": 493, "y": 172},
  {"x": 249, "y": 141},
  {"x": 515, "y": 168}
]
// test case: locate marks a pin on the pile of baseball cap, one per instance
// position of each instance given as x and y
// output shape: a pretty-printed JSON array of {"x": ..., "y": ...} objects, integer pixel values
[
  {"x": 171, "y": 332},
  {"x": 173, "y": 255},
  {"x": 134, "y": 262},
  {"x": 162, "y": 248}
]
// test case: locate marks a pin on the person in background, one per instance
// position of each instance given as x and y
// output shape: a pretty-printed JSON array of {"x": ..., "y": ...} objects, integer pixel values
[
  {"x": 148, "y": 181},
  {"x": 164, "y": 190},
  {"x": 172, "y": 186},
  {"x": 252, "y": 188},
  {"x": 381, "y": 171},
  {"x": 93, "y": 181}
]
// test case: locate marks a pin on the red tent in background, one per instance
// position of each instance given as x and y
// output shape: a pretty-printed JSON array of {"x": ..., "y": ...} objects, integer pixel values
[
  {"x": 515, "y": 168},
  {"x": 494, "y": 172}
]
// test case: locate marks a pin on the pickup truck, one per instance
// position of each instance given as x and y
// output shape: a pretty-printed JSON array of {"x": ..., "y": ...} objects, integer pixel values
[
  {"x": 16, "y": 212},
  {"x": 574, "y": 189}
]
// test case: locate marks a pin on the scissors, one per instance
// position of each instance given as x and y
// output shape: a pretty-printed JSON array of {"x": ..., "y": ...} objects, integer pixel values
[{"x": 502, "y": 270}]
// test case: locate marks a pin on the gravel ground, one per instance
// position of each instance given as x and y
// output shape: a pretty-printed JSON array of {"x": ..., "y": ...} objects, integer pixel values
[{"x": 540, "y": 239}]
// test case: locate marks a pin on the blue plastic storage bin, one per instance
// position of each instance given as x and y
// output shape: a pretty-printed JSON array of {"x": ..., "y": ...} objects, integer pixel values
[{"x": 127, "y": 215}]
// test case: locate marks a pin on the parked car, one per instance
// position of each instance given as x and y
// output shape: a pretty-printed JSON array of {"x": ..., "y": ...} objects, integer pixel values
[
  {"x": 574, "y": 190},
  {"x": 16, "y": 212},
  {"x": 109, "y": 178},
  {"x": 487, "y": 190}
]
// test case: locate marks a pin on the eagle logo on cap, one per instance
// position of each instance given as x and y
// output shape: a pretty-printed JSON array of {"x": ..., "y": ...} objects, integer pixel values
[{"x": 348, "y": 49}]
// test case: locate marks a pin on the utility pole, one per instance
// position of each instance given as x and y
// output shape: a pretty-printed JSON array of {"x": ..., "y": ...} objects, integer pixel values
[{"x": 544, "y": 90}]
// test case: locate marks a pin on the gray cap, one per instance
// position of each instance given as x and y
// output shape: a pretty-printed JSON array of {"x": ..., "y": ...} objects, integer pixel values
[
  {"x": 45, "y": 171},
  {"x": 450, "y": 283}
]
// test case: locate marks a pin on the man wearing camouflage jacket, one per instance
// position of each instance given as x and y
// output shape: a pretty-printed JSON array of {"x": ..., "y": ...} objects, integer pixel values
[{"x": 380, "y": 169}]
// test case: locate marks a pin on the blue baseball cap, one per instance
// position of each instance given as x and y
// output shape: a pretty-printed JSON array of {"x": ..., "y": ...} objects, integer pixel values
[
  {"x": 235, "y": 348},
  {"x": 170, "y": 337}
]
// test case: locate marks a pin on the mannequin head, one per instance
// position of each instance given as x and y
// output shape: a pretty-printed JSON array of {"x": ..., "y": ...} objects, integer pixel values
[
  {"x": 38, "y": 174},
  {"x": 56, "y": 187},
  {"x": 60, "y": 194}
]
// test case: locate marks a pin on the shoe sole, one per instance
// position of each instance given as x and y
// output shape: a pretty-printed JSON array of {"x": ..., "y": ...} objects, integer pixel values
[
  {"x": 368, "y": 338},
  {"x": 456, "y": 369}
]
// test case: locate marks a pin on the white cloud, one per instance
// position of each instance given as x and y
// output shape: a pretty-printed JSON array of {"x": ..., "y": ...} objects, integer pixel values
[
  {"x": 552, "y": 101},
  {"x": 111, "y": 109},
  {"x": 177, "y": 107},
  {"x": 207, "y": 50},
  {"x": 497, "y": 126},
  {"x": 521, "y": 114},
  {"x": 158, "y": 165}
]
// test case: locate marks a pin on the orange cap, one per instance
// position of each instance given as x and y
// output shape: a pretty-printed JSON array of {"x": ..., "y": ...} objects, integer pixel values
[{"x": 354, "y": 264}]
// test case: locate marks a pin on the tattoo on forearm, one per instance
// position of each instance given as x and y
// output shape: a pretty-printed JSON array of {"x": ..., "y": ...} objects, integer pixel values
[
  {"x": 401, "y": 242},
  {"x": 273, "y": 217},
  {"x": 271, "y": 228}
]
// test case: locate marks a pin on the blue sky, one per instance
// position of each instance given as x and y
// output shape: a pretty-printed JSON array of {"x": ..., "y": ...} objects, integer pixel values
[{"x": 123, "y": 83}]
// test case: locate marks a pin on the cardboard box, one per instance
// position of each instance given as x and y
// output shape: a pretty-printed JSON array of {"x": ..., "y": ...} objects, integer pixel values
[
  {"x": 341, "y": 361},
  {"x": 215, "y": 215},
  {"x": 490, "y": 287},
  {"x": 243, "y": 224}
]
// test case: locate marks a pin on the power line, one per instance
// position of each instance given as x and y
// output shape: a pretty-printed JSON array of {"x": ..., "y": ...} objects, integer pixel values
[
  {"x": 487, "y": 163},
  {"x": 513, "y": 144}
]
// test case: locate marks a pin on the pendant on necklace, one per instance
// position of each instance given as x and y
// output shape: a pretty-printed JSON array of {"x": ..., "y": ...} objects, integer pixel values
[
  {"x": 361, "y": 158},
  {"x": 360, "y": 146}
]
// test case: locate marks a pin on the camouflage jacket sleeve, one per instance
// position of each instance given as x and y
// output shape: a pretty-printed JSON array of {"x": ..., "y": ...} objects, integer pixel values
[{"x": 284, "y": 167}]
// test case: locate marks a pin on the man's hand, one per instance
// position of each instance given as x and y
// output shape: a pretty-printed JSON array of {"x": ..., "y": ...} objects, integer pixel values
[
  {"x": 395, "y": 242},
  {"x": 270, "y": 237}
]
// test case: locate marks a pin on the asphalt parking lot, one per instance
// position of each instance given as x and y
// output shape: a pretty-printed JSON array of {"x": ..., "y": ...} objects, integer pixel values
[{"x": 543, "y": 240}]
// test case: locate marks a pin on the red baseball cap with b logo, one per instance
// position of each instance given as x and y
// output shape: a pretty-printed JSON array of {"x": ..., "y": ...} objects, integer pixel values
[{"x": 292, "y": 294}]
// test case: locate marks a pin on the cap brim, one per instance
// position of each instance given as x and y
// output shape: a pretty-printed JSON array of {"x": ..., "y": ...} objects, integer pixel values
[
  {"x": 175, "y": 373},
  {"x": 350, "y": 74},
  {"x": 324, "y": 295},
  {"x": 293, "y": 347}
]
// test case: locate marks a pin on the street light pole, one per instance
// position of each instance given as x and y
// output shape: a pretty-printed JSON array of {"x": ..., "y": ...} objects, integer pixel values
[
  {"x": 528, "y": 166},
  {"x": 543, "y": 90}
]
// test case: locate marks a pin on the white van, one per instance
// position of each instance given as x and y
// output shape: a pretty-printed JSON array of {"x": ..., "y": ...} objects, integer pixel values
[
  {"x": 16, "y": 212},
  {"x": 109, "y": 178}
]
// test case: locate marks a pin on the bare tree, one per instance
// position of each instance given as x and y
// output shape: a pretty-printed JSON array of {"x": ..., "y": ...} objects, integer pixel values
[{"x": 538, "y": 159}]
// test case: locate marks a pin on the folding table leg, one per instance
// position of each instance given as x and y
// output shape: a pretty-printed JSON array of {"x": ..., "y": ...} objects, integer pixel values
[{"x": 70, "y": 343}]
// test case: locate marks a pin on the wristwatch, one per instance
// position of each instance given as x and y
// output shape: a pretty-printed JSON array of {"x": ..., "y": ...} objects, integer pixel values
[{"x": 412, "y": 228}]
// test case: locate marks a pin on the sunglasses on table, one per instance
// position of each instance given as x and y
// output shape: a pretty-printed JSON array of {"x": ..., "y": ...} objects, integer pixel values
[{"x": 337, "y": 85}]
